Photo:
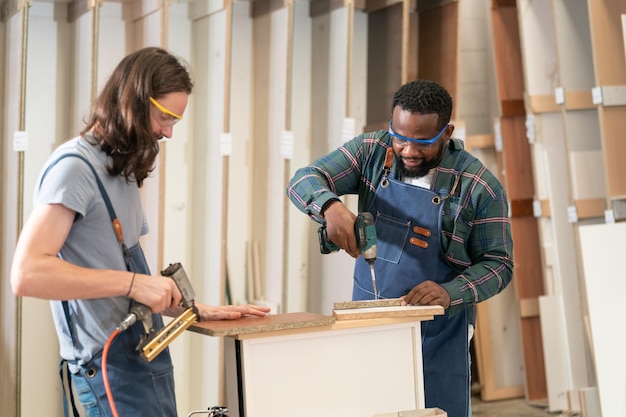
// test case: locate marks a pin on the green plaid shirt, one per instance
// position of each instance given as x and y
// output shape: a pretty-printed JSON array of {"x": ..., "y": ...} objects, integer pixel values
[{"x": 476, "y": 231}]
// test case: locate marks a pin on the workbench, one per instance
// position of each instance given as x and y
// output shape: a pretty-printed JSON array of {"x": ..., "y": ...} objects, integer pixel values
[{"x": 305, "y": 364}]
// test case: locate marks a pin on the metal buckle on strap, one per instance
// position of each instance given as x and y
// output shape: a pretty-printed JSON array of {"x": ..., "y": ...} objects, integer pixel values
[{"x": 388, "y": 164}]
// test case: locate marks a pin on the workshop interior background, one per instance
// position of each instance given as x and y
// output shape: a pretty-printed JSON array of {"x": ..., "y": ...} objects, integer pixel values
[{"x": 539, "y": 88}]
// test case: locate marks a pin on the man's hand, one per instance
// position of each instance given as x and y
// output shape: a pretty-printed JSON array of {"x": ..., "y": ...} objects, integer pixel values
[
  {"x": 340, "y": 227},
  {"x": 230, "y": 312},
  {"x": 157, "y": 292},
  {"x": 428, "y": 293}
]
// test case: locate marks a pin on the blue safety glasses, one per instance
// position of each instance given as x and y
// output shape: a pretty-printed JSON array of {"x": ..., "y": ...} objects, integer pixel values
[{"x": 403, "y": 140}]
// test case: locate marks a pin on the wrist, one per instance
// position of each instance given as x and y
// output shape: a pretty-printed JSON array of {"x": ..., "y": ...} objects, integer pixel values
[
  {"x": 130, "y": 286},
  {"x": 327, "y": 205}
]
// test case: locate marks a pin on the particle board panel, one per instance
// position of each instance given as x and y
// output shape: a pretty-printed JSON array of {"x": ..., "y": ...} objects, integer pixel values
[
  {"x": 254, "y": 325},
  {"x": 602, "y": 245},
  {"x": 387, "y": 312}
]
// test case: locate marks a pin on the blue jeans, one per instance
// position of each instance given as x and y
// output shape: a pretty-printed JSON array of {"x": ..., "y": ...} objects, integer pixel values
[{"x": 86, "y": 396}]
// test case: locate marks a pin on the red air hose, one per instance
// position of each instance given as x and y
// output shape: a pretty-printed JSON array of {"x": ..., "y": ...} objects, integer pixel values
[{"x": 105, "y": 375}]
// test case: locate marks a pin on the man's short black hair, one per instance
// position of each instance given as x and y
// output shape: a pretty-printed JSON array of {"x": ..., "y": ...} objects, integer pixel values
[{"x": 425, "y": 97}]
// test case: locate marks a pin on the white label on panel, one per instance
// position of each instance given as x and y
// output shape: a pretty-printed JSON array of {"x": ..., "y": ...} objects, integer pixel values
[
  {"x": 537, "y": 208},
  {"x": 596, "y": 95},
  {"x": 559, "y": 95},
  {"x": 286, "y": 144},
  {"x": 348, "y": 130},
  {"x": 20, "y": 141},
  {"x": 530, "y": 128},
  {"x": 497, "y": 132},
  {"x": 572, "y": 214},
  {"x": 226, "y": 144},
  {"x": 609, "y": 217}
]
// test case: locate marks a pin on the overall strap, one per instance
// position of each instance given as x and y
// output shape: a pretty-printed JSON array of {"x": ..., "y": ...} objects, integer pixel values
[{"x": 117, "y": 227}]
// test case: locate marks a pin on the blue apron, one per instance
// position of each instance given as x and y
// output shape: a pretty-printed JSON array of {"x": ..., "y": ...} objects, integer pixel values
[
  {"x": 408, "y": 228},
  {"x": 139, "y": 388}
]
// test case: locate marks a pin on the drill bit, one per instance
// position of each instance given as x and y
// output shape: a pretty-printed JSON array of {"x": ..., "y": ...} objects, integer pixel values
[{"x": 374, "y": 281}]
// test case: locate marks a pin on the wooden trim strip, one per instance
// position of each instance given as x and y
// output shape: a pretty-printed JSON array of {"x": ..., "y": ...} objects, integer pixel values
[
  {"x": 529, "y": 307},
  {"x": 579, "y": 100},
  {"x": 590, "y": 208},
  {"x": 496, "y": 4},
  {"x": 522, "y": 208},
  {"x": 513, "y": 107},
  {"x": 544, "y": 104}
]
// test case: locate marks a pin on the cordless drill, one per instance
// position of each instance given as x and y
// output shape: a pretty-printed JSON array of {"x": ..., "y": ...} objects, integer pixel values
[{"x": 365, "y": 232}]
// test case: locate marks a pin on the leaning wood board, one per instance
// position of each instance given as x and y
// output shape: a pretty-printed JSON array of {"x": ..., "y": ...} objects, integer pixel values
[{"x": 602, "y": 247}]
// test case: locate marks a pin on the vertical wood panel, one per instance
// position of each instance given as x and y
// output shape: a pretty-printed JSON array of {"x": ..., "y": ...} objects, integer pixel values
[
  {"x": 519, "y": 184},
  {"x": 438, "y": 47}
]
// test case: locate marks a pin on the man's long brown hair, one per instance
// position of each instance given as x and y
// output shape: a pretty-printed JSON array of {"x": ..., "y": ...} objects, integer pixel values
[{"x": 120, "y": 116}]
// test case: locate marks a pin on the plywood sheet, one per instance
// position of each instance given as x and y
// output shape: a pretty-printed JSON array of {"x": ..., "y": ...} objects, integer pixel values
[{"x": 602, "y": 246}]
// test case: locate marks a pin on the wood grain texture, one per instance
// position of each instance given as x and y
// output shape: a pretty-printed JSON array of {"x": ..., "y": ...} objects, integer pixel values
[
  {"x": 388, "y": 302},
  {"x": 387, "y": 312},
  {"x": 438, "y": 54}
]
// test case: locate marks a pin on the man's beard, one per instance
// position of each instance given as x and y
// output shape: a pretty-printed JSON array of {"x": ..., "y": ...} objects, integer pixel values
[{"x": 425, "y": 166}]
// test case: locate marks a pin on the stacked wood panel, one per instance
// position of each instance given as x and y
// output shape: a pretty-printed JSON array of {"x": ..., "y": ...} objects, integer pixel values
[{"x": 517, "y": 166}]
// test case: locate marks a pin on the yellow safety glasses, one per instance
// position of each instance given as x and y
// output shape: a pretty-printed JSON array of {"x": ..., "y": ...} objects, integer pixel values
[{"x": 167, "y": 117}]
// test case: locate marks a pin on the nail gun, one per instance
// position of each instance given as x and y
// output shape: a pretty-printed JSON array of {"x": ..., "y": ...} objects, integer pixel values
[
  {"x": 365, "y": 232},
  {"x": 154, "y": 342}
]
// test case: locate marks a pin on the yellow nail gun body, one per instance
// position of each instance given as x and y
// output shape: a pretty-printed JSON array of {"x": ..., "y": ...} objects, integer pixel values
[{"x": 155, "y": 342}]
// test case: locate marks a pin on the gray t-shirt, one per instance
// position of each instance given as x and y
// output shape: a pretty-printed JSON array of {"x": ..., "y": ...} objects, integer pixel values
[{"x": 91, "y": 242}]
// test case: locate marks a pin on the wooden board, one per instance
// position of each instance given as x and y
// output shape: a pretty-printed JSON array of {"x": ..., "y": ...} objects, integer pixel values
[
  {"x": 602, "y": 247},
  {"x": 388, "y": 302},
  {"x": 387, "y": 312},
  {"x": 270, "y": 323}
]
